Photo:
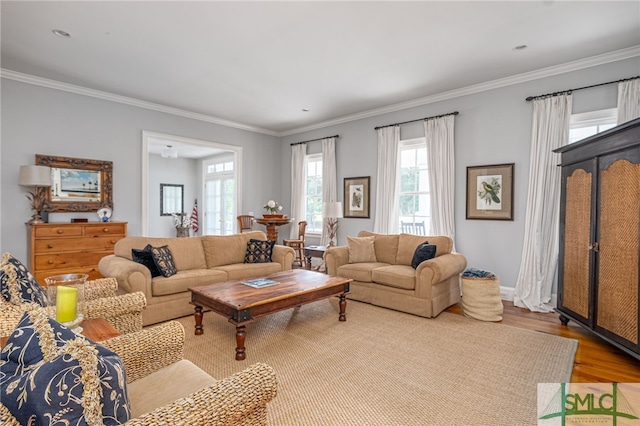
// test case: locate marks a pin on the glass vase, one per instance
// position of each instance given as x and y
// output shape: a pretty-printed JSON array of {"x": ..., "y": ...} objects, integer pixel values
[{"x": 66, "y": 294}]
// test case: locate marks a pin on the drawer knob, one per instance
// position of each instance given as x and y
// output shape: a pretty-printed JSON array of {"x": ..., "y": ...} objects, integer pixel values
[
  {"x": 50, "y": 262},
  {"x": 49, "y": 245},
  {"x": 113, "y": 241},
  {"x": 59, "y": 231},
  {"x": 105, "y": 230}
]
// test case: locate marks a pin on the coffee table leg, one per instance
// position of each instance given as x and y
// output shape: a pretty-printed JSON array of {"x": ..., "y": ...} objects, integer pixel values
[
  {"x": 343, "y": 307},
  {"x": 198, "y": 316},
  {"x": 240, "y": 335}
]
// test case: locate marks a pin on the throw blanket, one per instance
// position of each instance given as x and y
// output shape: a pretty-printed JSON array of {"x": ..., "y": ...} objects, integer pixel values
[{"x": 478, "y": 273}]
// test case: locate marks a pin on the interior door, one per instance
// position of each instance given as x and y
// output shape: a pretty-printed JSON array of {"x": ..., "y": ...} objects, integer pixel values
[{"x": 219, "y": 198}]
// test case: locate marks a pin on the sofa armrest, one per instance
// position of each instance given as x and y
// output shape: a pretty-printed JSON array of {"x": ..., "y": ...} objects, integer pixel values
[
  {"x": 124, "y": 312},
  {"x": 240, "y": 399},
  {"x": 147, "y": 351},
  {"x": 335, "y": 257},
  {"x": 438, "y": 269},
  {"x": 283, "y": 255},
  {"x": 131, "y": 276}
]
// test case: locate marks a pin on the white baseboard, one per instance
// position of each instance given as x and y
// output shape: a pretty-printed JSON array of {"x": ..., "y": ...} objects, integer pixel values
[{"x": 506, "y": 293}]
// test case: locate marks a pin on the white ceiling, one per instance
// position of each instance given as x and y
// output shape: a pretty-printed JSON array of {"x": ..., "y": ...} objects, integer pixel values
[{"x": 258, "y": 64}]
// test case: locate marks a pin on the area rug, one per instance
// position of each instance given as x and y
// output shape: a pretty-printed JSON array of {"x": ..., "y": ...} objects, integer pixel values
[{"x": 383, "y": 367}]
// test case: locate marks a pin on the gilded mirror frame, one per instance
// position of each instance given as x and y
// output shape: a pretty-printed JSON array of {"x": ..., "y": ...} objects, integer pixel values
[{"x": 95, "y": 176}]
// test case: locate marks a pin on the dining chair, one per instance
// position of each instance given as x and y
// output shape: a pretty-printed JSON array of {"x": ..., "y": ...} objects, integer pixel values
[
  {"x": 245, "y": 223},
  {"x": 298, "y": 245}
]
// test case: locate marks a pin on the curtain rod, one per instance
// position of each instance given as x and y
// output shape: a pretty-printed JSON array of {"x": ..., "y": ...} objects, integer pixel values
[
  {"x": 562, "y": 92},
  {"x": 313, "y": 140},
  {"x": 419, "y": 119}
]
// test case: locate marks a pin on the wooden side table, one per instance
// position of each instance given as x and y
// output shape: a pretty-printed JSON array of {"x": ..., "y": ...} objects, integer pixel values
[
  {"x": 315, "y": 251},
  {"x": 96, "y": 329},
  {"x": 272, "y": 226}
]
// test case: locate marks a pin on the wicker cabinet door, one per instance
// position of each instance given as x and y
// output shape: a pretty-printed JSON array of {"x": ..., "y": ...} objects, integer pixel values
[
  {"x": 575, "y": 296},
  {"x": 619, "y": 248}
]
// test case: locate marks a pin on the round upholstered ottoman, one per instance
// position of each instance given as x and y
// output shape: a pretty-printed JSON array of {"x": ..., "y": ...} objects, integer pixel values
[{"x": 481, "y": 295}]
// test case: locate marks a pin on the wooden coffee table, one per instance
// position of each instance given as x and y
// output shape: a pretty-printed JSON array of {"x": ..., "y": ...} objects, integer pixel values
[{"x": 242, "y": 304}]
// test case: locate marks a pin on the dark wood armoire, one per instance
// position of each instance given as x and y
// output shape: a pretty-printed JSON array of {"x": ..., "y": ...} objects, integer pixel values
[{"x": 598, "y": 278}]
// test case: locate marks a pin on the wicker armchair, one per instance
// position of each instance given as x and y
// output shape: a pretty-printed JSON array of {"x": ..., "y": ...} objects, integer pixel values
[
  {"x": 240, "y": 399},
  {"x": 124, "y": 312}
]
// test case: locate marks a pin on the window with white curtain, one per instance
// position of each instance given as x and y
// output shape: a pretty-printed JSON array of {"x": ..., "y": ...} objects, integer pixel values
[
  {"x": 590, "y": 123},
  {"x": 313, "y": 192},
  {"x": 414, "y": 197}
]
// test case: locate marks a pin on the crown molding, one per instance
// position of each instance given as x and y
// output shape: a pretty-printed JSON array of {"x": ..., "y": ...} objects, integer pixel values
[
  {"x": 605, "y": 58},
  {"x": 592, "y": 61},
  {"x": 79, "y": 90}
]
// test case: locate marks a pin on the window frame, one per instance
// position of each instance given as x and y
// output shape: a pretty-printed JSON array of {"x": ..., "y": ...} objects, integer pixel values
[
  {"x": 598, "y": 118},
  {"x": 406, "y": 144},
  {"x": 316, "y": 158}
]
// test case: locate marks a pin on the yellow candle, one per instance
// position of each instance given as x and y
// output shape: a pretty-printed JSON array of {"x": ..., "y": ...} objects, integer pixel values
[{"x": 66, "y": 303}]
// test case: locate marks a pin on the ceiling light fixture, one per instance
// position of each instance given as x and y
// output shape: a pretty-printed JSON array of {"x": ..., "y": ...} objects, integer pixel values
[
  {"x": 61, "y": 33},
  {"x": 169, "y": 152},
  {"x": 305, "y": 109},
  {"x": 520, "y": 47}
]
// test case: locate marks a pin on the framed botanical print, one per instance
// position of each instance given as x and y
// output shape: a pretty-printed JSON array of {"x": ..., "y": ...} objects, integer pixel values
[
  {"x": 490, "y": 192},
  {"x": 356, "y": 197}
]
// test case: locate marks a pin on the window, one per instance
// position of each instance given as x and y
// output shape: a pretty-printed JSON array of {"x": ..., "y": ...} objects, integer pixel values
[
  {"x": 313, "y": 192},
  {"x": 590, "y": 123},
  {"x": 219, "y": 196},
  {"x": 414, "y": 197}
]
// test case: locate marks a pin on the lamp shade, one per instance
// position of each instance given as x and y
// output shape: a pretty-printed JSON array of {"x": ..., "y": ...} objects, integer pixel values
[
  {"x": 332, "y": 209},
  {"x": 34, "y": 176}
]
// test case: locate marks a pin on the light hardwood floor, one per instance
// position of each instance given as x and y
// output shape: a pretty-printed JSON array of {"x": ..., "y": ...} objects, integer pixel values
[{"x": 595, "y": 361}]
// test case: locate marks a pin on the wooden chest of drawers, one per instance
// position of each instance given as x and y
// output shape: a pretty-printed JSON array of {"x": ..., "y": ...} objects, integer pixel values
[{"x": 71, "y": 248}]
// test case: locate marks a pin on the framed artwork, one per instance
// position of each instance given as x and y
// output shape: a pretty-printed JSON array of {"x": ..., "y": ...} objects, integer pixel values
[
  {"x": 356, "y": 197},
  {"x": 79, "y": 185},
  {"x": 490, "y": 192},
  {"x": 171, "y": 199}
]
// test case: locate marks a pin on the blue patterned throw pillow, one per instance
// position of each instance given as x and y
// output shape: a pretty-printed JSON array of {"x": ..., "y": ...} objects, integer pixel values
[
  {"x": 50, "y": 375},
  {"x": 163, "y": 259},
  {"x": 17, "y": 285},
  {"x": 259, "y": 251},
  {"x": 145, "y": 257}
]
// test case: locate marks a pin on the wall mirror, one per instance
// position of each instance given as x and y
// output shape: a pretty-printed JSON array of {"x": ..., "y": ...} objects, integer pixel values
[
  {"x": 171, "y": 199},
  {"x": 79, "y": 185}
]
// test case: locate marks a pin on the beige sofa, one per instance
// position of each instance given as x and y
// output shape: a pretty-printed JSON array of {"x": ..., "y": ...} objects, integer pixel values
[
  {"x": 198, "y": 260},
  {"x": 392, "y": 283}
]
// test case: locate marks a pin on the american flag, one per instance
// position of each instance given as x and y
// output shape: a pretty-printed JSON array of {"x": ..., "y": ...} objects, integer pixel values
[{"x": 194, "y": 217}]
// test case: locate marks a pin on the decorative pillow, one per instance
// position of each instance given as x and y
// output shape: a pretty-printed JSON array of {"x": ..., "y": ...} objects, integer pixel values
[
  {"x": 17, "y": 285},
  {"x": 144, "y": 257},
  {"x": 259, "y": 251},
  {"x": 163, "y": 259},
  {"x": 49, "y": 373},
  {"x": 361, "y": 249},
  {"x": 424, "y": 251}
]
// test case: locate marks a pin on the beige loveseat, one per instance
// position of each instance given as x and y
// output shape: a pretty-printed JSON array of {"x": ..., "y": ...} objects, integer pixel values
[
  {"x": 391, "y": 282},
  {"x": 198, "y": 260}
]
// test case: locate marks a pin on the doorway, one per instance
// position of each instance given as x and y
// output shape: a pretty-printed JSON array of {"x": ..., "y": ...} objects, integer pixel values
[{"x": 201, "y": 153}]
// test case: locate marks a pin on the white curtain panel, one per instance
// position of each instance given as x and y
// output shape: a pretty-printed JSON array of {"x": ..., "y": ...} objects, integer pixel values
[
  {"x": 329, "y": 180},
  {"x": 440, "y": 157},
  {"x": 386, "y": 220},
  {"x": 628, "y": 100},
  {"x": 550, "y": 130},
  {"x": 298, "y": 152}
]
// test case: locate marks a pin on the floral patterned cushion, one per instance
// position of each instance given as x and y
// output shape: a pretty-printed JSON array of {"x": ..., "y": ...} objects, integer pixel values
[
  {"x": 163, "y": 259},
  {"x": 17, "y": 285},
  {"x": 145, "y": 257},
  {"x": 50, "y": 375},
  {"x": 259, "y": 251}
]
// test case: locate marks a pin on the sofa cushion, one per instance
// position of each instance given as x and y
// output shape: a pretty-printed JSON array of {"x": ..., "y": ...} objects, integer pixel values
[
  {"x": 163, "y": 259},
  {"x": 228, "y": 249},
  {"x": 17, "y": 285},
  {"x": 76, "y": 383},
  {"x": 145, "y": 257},
  {"x": 183, "y": 280},
  {"x": 386, "y": 246},
  {"x": 424, "y": 251},
  {"x": 361, "y": 249},
  {"x": 240, "y": 271},
  {"x": 187, "y": 252},
  {"x": 259, "y": 251},
  {"x": 359, "y": 271},
  {"x": 176, "y": 381},
  {"x": 398, "y": 276}
]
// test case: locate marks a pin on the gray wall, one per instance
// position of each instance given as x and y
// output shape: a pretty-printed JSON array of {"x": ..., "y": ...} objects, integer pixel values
[
  {"x": 39, "y": 120},
  {"x": 493, "y": 127}
]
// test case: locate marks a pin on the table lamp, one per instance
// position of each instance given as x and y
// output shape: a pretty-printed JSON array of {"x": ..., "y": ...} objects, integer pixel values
[
  {"x": 38, "y": 177},
  {"x": 332, "y": 211}
]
